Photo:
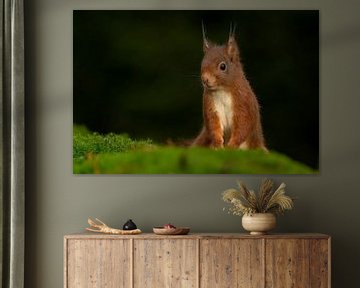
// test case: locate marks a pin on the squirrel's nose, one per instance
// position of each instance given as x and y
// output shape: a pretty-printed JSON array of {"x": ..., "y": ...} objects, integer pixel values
[{"x": 207, "y": 79}]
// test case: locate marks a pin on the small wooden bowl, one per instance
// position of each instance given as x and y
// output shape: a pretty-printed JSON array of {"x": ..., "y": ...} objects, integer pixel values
[{"x": 171, "y": 231}]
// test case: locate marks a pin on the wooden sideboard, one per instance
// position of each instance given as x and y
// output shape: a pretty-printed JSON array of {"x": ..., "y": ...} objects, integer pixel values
[{"x": 197, "y": 260}]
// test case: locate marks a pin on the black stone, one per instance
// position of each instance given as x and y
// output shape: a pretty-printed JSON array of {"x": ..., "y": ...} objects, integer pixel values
[{"x": 129, "y": 225}]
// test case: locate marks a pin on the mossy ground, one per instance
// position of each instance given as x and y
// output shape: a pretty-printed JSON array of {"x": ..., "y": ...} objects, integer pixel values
[{"x": 119, "y": 154}]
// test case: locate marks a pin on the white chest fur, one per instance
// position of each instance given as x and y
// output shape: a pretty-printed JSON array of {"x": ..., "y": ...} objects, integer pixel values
[{"x": 223, "y": 107}]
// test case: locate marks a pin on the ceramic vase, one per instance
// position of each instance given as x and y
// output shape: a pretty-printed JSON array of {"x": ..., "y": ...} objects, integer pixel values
[{"x": 259, "y": 223}]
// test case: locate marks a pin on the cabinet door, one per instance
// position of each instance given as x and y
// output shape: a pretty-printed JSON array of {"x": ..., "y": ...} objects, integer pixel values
[
  {"x": 230, "y": 263},
  {"x": 98, "y": 263},
  {"x": 165, "y": 263},
  {"x": 297, "y": 263},
  {"x": 287, "y": 263}
]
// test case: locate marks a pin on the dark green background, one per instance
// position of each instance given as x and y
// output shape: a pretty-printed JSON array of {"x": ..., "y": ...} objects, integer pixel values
[{"x": 137, "y": 72}]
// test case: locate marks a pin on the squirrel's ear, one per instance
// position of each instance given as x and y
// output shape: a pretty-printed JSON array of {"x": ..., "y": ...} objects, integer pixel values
[
  {"x": 206, "y": 45},
  {"x": 232, "y": 49}
]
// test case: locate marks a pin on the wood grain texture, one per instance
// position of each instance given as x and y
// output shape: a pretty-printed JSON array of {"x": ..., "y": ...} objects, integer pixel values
[
  {"x": 166, "y": 263},
  {"x": 197, "y": 260},
  {"x": 319, "y": 263},
  {"x": 98, "y": 264},
  {"x": 231, "y": 263},
  {"x": 287, "y": 263}
]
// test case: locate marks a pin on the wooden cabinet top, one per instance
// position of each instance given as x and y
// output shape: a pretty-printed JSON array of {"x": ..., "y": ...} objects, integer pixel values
[{"x": 199, "y": 236}]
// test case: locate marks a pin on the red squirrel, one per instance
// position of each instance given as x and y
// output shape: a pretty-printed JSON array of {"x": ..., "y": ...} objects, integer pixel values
[{"x": 230, "y": 108}]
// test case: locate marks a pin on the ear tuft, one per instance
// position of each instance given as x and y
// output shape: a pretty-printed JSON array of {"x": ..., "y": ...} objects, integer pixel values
[
  {"x": 206, "y": 43},
  {"x": 232, "y": 30}
]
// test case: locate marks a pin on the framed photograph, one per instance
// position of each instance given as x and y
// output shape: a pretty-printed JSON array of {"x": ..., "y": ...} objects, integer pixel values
[{"x": 195, "y": 92}]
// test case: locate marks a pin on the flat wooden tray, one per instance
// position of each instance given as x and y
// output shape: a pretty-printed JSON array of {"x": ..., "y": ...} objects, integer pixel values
[{"x": 171, "y": 231}]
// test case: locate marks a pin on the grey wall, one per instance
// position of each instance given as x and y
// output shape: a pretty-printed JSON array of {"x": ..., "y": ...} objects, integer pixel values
[{"x": 59, "y": 203}]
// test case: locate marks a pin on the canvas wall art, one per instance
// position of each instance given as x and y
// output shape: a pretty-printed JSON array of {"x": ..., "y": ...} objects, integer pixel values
[{"x": 196, "y": 92}]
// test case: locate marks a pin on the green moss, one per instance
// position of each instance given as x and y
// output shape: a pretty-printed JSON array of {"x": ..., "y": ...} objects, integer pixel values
[
  {"x": 118, "y": 154},
  {"x": 86, "y": 143}
]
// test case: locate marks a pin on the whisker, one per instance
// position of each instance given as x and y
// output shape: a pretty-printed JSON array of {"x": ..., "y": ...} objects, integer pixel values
[{"x": 191, "y": 75}]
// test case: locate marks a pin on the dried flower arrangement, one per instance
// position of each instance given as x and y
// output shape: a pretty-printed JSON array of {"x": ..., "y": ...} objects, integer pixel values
[{"x": 268, "y": 200}]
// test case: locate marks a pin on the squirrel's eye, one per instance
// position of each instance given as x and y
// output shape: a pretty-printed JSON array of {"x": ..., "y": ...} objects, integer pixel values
[{"x": 222, "y": 66}]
